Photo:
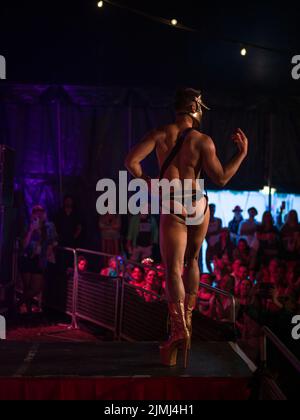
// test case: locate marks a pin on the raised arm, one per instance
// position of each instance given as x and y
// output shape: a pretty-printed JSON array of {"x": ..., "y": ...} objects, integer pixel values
[
  {"x": 140, "y": 152},
  {"x": 212, "y": 166}
]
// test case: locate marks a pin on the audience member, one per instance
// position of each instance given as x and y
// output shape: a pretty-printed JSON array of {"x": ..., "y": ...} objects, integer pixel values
[
  {"x": 269, "y": 239},
  {"x": 290, "y": 236},
  {"x": 82, "y": 264},
  {"x": 234, "y": 225},
  {"x": 142, "y": 236},
  {"x": 137, "y": 277},
  {"x": 161, "y": 272},
  {"x": 112, "y": 270},
  {"x": 148, "y": 264},
  {"x": 222, "y": 308},
  {"x": 213, "y": 237},
  {"x": 243, "y": 274},
  {"x": 248, "y": 229},
  {"x": 38, "y": 252},
  {"x": 110, "y": 231},
  {"x": 152, "y": 284},
  {"x": 225, "y": 246},
  {"x": 242, "y": 253},
  {"x": 245, "y": 301},
  {"x": 235, "y": 270},
  {"x": 205, "y": 296}
]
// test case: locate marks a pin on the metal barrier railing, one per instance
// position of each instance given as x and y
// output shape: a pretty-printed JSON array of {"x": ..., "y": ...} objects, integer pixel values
[
  {"x": 94, "y": 292},
  {"x": 98, "y": 301},
  {"x": 151, "y": 309},
  {"x": 112, "y": 303},
  {"x": 288, "y": 355},
  {"x": 74, "y": 324},
  {"x": 280, "y": 369},
  {"x": 130, "y": 312},
  {"x": 228, "y": 295}
]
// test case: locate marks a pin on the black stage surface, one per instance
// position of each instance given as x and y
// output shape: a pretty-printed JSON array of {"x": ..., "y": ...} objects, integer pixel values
[
  {"x": 115, "y": 360},
  {"x": 210, "y": 364}
]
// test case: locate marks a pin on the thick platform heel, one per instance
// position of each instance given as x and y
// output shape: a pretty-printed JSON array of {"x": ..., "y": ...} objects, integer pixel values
[{"x": 179, "y": 339}]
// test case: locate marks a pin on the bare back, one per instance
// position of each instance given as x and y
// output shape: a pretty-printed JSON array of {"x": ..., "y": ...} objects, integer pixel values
[
  {"x": 197, "y": 154},
  {"x": 187, "y": 164}
]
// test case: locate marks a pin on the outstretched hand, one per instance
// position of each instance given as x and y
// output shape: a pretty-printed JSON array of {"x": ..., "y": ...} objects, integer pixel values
[{"x": 241, "y": 141}]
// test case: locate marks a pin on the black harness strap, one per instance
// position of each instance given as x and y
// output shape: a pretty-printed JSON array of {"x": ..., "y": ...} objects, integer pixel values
[
  {"x": 174, "y": 152},
  {"x": 172, "y": 156}
]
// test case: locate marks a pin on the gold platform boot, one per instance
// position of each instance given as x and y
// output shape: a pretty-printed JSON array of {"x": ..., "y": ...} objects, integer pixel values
[
  {"x": 179, "y": 339},
  {"x": 190, "y": 305}
]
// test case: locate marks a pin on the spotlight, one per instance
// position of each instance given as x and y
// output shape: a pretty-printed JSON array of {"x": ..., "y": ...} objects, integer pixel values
[
  {"x": 174, "y": 22},
  {"x": 100, "y": 4},
  {"x": 243, "y": 52}
]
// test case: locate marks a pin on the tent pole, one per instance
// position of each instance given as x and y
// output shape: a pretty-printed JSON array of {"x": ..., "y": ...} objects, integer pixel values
[
  {"x": 59, "y": 145},
  {"x": 271, "y": 153}
]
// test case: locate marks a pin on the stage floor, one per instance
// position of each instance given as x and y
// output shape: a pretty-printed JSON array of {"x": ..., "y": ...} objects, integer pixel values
[
  {"x": 115, "y": 360},
  {"x": 33, "y": 363}
]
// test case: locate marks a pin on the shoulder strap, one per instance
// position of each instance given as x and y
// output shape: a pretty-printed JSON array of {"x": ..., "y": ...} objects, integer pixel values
[{"x": 174, "y": 152}]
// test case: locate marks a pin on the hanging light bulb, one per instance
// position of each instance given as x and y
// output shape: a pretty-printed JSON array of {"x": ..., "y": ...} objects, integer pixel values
[
  {"x": 174, "y": 22},
  {"x": 244, "y": 52},
  {"x": 100, "y": 4}
]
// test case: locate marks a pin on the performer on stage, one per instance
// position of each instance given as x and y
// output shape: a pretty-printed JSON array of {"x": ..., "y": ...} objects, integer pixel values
[{"x": 183, "y": 153}]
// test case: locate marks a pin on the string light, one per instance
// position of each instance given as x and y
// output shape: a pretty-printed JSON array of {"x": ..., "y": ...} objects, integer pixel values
[
  {"x": 180, "y": 26},
  {"x": 244, "y": 52}
]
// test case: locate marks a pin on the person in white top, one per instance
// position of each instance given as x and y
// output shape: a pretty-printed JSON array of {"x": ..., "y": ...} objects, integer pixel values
[{"x": 248, "y": 229}]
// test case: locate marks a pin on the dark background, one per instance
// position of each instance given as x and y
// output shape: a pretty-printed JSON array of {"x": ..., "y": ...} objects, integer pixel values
[
  {"x": 84, "y": 84},
  {"x": 74, "y": 42}
]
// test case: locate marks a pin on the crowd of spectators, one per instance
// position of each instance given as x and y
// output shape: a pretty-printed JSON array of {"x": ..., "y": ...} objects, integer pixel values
[{"x": 257, "y": 262}]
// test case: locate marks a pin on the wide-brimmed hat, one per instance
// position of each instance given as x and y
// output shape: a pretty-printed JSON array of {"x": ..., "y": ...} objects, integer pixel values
[
  {"x": 253, "y": 209},
  {"x": 237, "y": 209}
]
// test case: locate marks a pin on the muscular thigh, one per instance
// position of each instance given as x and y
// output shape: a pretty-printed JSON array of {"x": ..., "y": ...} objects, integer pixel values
[
  {"x": 173, "y": 241},
  {"x": 196, "y": 236}
]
